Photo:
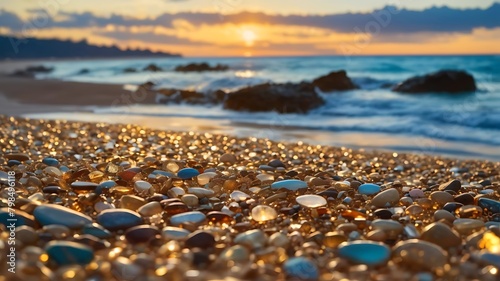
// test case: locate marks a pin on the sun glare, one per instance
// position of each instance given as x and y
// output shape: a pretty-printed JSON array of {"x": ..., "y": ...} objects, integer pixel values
[{"x": 249, "y": 37}]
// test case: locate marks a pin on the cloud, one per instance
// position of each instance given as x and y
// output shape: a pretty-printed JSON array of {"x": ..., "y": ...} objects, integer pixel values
[
  {"x": 391, "y": 20},
  {"x": 149, "y": 37}
]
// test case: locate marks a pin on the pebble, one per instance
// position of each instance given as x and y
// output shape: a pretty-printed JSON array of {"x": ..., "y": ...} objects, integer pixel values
[
  {"x": 205, "y": 177},
  {"x": 21, "y": 217},
  {"x": 239, "y": 195},
  {"x": 386, "y": 198},
  {"x": 175, "y": 233},
  {"x": 228, "y": 158},
  {"x": 467, "y": 226},
  {"x": 201, "y": 192},
  {"x": 311, "y": 201},
  {"x": 141, "y": 233},
  {"x": 17, "y": 156},
  {"x": 194, "y": 217},
  {"x": 253, "y": 239},
  {"x": 276, "y": 163},
  {"x": 441, "y": 197},
  {"x": 442, "y": 235},
  {"x": 53, "y": 171},
  {"x": 417, "y": 193},
  {"x": 124, "y": 269},
  {"x": 265, "y": 177},
  {"x": 96, "y": 230},
  {"x": 118, "y": 219},
  {"x": 419, "y": 255},
  {"x": 391, "y": 228},
  {"x": 142, "y": 186},
  {"x": 132, "y": 202},
  {"x": 68, "y": 253},
  {"x": 365, "y": 252},
  {"x": 55, "y": 214},
  {"x": 190, "y": 200},
  {"x": 26, "y": 235},
  {"x": 237, "y": 254},
  {"x": 82, "y": 187},
  {"x": 200, "y": 239},
  {"x": 292, "y": 185},
  {"x": 301, "y": 268},
  {"x": 129, "y": 173},
  {"x": 49, "y": 161},
  {"x": 490, "y": 205},
  {"x": 369, "y": 189},
  {"x": 150, "y": 209},
  {"x": 442, "y": 214},
  {"x": 454, "y": 185},
  {"x": 262, "y": 213},
  {"x": 187, "y": 173}
]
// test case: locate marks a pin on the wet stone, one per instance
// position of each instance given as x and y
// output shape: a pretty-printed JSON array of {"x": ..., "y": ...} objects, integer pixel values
[
  {"x": 419, "y": 255},
  {"x": 292, "y": 185},
  {"x": 200, "y": 239},
  {"x": 12, "y": 163},
  {"x": 201, "y": 192},
  {"x": 129, "y": 174},
  {"x": 205, "y": 177},
  {"x": 311, "y": 201},
  {"x": 467, "y": 226},
  {"x": 262, "y": 213},
  {"x": 392, "y": 228},
  {"x": 194, "y": 217},
  {"x": 239, "y": 195},
  {"x": 443, "y": 214},
  {"x": 253, "y": 239},
  {"x": 490, "y": 205},
  {"x": 368, "y": 189},
  {"x": 26, "y": 234},
  {"x": 176, "y": 208},
  {"x": 386, "y": 198},
  {"x": 132, "y": 202},
  {"x": 68, "y": 253},
  {"x": 141, "y": 233},
  {"x": 383, "y": 213},
  {"x": 190, "y": 200},
  {"x": 55, "y": 214},
  {"x": 417, "y": 193},
  {"x": 365, "y": 252},
  {"x": 187, "y": 173},
  {"x": 118, "y": 219},
  {"x": 301, "y": 268},
  {"x": 219, "y": 217},
  {"x": 330, "y": 192},
  {"x": 441, "y": 197},
  {"x": 276, "y": 163},
  {"x": 175, "y": 233}
]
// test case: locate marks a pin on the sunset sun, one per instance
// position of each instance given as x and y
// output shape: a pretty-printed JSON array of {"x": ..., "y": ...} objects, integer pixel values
[{"x": 249, "y": 37}]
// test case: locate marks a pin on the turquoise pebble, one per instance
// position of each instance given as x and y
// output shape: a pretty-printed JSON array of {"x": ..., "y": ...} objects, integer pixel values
[
  {"x": 18, "y": 219},
  {"x": 96, "y": 231},
  {"x": 187, "y": 173},
  {"x": 118, "y": 219},
  {"x": 301, "y": 268},
  {"x": 104, "y": 185},
  {"x": 289, "y": 184},
  {"x": 49, "y": 161},
  {"x": 68, "y": 253},
  {"x": 491, "y": 205},
  {"x": 364, "y": 252},
  {"x": 368, "y": 189},
  {"x": 55, "y": 214}
]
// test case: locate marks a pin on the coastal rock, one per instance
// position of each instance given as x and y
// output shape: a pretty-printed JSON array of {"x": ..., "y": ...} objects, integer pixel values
[
  {"x": 118, "y": 219},
  {"x": 179, "y": 96},
  {"x": 152, "y": 67},
  {"x": 55, "y": 214},
  {"x": 129, "y": 70},
  {"x": 365, "y": 252},
  {"x": 67, "y": 253},
  {"x": 334, "y": 81},
  {"x": 448, "y": 81},
  {"x": 30, "y": 71},
  {"x": 283, "y": 98},
  {"x": 198, "y": 67}
]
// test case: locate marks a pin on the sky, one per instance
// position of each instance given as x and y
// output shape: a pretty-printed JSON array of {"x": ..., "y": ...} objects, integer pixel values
[{"x": 264, "y": 27}]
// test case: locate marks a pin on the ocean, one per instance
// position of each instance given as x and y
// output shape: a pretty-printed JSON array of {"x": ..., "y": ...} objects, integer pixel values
[{"x": 372, "y": 117}]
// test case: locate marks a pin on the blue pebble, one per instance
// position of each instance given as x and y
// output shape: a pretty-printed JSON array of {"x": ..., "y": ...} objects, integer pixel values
[
  {"x": 369, "y": 189},
  {"x": 187, "y": 173},
  {"x": 365, "y": 252},
  {"x": 68, "y": 253},
  {"x": 301, "y": 268},
  {"x": 12, "y": 163},
  {"x": 118, "y": 219},
  {"x": 49, "y": 161},
  {"x": 21, "y": 218},
  {"x": 491, "y": 205},
  {"x": 289, "y": 184},
  {"x": 96, "y": 231},
  {"x": 104, "y": 185}
]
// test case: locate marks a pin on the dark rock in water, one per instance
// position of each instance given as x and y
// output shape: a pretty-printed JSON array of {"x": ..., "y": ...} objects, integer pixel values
[
  {"x": 132, "y": 70},
  {"x": 217, "y": 96},
  {"x": 334, "y": 81},
  {"x": 198, "y": 67},
  {"x": 30, "y": 71},
  {"x": 67, "y": 253},
  {"x": 178, "y": 96},
  {"x": 83, "y": 71},
  {"x": 284, "y": 98},
  {"x": 448, "y": 81},
  {"x": 152, "y": 67}
]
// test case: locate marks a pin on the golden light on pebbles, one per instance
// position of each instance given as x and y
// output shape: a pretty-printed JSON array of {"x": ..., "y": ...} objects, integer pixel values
[
  {"x": 490, "y": 242},
  {"x": 263, "y": 213}
]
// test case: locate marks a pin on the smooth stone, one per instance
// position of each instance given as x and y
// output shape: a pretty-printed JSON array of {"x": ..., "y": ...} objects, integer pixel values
[
  {"x": 68, "y": 253},
  {"x": 124, "y": 269},
  {"x": 265, "y": 177},
  {"x": 96, "y": 230},
  {"x": 368, "y": 189},
  {"x": 142, "y": 186},
  {"x": 365, "y": 252},
  {"x": 83, "y": 186},
  {"x": 442, "y": 235},
  {"x": 441, "y": 197},
  {"x": 201, "y": 192},
  {"x": 132, "y": 202},
  {"x": 266, "y": 168},
  {"x": 237, "y": 253},
  {"x": 141, "y": 233},
  {"x": 26, "y": 235},
  {"x": 175, "y": 233},
  {"x": 454, "y": 185},
  {"x": 253, "y": 239},
  {"x": 292, "y": 185},
  {"x": 49, "y": 161},
  {"x": 443, "y": 214},
  {"x": 101, "y": 206},
  {"x": 228, "y": 158},
  {"x": 391, "y": 228},
  {"x": 276, "y": 163},
  {"x": 200, "y": 239},
  {"x": 194, "y": 217},
  {"x": 301, "y": 268},
  {"x": 417, "y": 193},
  {"x": 386, "y": 198},
  {"x": 311, "y": 201},
  {"x": 150, "y": 209},
  {"x": 104, "y": 186},
  {"x": 12, "y": 163},
  {"x": 279, "y": 239},
  {"x": 177, "y": 191},
  {"x": 21, "y": 217},
  {"x": 239, "y": 195},
  {"x": 467, "y": 226},
  {"x": 55, "y": 214},
  {"x": 130, "y": 173},
  {"x": 262, "y": 213},
  {"x": 491, "y": 205},
  {"x": 190, "y": 200},
  {"x": 159, "y": 173},
  {"x": 419, "y": 255},
  {"x": 17, "y": 156},
  {"x": 205, "y": 177},
  {"x": 118, "y": 219},
  {"x": 52, "y": 171},
  {"x": 187, "y": 173},
  {"x": 465, "y": 198}
]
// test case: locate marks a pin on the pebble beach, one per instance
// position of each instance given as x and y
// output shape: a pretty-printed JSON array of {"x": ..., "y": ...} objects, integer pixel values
[{"x": 95, "y": 201}]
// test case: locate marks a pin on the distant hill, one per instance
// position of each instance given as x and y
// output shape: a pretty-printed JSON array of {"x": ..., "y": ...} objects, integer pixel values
[{"x": 33, "y": 48}]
